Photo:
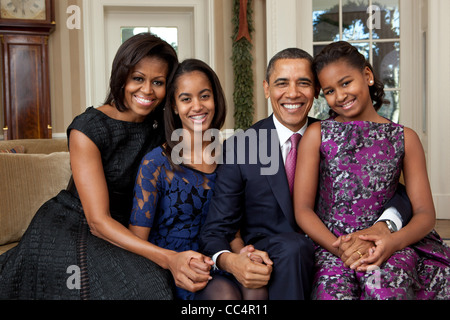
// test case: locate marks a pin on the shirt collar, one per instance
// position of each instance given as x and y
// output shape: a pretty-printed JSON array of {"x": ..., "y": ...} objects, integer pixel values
[{"x": 284, "y": 134}]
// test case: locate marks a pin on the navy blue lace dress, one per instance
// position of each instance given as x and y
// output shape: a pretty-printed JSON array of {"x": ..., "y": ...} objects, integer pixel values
[
  {"x": 173, "y": 203},
  {"x": 59, "y": 258}
]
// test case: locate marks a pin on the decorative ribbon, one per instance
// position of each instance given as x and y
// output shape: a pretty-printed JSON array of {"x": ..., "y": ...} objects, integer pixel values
[{"x": 243, "y": 22}]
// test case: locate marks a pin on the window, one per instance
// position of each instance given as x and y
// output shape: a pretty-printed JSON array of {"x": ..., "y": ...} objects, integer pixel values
[
  {"x": 169, "y": 34},
  {"x": 373, "y": 26}
]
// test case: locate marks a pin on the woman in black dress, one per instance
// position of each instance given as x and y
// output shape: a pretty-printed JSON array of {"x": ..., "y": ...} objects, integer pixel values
[{"x": 78, "y": 245}]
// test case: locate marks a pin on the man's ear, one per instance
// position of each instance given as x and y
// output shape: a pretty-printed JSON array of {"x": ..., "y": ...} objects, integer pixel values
[{"x": 266, "y": 89}]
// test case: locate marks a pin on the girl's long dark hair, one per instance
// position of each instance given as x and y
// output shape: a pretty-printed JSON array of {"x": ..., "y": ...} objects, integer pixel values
[
  {"x": 172, "y": 121},
  {"x": 342, "y": 50}
]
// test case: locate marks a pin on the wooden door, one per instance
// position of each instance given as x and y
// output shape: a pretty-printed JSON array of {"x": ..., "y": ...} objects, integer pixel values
[{"x": 26, "y": 86}]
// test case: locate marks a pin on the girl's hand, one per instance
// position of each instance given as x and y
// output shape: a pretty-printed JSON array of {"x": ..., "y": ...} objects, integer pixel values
[
  {"x": 351, "y": 249},
  {"x": 256, "y": 255},
  {"x": 350, "y": 246},
  {"x": 186, "y": 277},
  {"x": 202, "y": 266},
  {"x": 383, "y": 250}
]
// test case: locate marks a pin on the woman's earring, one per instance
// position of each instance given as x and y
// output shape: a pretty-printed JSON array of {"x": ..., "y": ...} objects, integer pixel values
[{"x": 371, "y": 82}]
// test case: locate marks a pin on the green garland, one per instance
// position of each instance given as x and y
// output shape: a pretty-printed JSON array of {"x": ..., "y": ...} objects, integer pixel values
[{"x": 243, "y": 73}]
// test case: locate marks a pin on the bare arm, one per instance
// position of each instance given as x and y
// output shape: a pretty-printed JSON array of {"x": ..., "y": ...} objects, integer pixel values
[
  {"x": 419, "y": 192},
  {"x": 305, "y": 190},
  {"x": 91, "y": 185}
]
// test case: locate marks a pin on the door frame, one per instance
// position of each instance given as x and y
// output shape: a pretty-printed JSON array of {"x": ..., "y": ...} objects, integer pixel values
[{"x": 94, "y": 36}]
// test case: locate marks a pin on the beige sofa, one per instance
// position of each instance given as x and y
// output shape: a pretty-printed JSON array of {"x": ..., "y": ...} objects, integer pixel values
[{"x": 28, "y": 180}]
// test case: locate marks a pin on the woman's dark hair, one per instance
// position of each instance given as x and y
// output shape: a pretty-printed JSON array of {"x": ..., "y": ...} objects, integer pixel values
[
  {"x": 172, "y": 121},
  {"x": 128, "y": 56},
  {"x": 342, "y": 50}
]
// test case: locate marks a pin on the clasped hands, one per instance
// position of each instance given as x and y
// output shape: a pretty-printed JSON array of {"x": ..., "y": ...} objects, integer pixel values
[
  {"x": 364, "y": 249},
  {"x": 192, "y": 270},
  {"x": 252, "y": 268}
]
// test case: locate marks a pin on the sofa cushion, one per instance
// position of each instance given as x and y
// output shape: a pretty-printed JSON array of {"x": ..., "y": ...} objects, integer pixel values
[
  {"x": 18, "y": 149},
  {"x": 6, "y": 248},
  {"x": 27, "y": 182}
]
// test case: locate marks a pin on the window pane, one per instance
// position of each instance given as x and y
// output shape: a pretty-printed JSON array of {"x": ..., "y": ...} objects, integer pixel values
[
  {"x": 388, "y": 20},
  {"x": 355, "y": 16},
  {"x": 326, "y": 20},
  {"x": 386, "y": 63},
  {"x": 128, "y": 32},
  {"x": 320, "y": 109},
  {"x": 391, "y": 111},
  {"x": 169, "y": 34}
]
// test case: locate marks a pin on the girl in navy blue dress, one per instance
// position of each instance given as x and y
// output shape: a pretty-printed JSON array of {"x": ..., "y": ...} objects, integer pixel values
[{"x": 175, "y": 182}]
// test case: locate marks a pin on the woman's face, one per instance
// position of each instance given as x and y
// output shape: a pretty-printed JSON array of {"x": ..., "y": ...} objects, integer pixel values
[
  {"x": 145, "y": 88},
  {"x": 194, "y": 101}
]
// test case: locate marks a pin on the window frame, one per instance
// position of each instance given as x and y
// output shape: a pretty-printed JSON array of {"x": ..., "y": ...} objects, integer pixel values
[
  {"x": 412, "y": 52},
  {"x": 371, "y": 41}
]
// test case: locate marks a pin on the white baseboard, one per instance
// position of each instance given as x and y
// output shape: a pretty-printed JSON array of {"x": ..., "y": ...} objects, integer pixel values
[{"x": 59, "y": 136}]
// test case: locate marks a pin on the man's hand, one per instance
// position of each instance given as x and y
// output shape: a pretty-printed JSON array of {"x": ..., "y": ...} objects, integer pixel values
[
  {"x": 256, "y": 255},
  {"x": 354, "y": 249},
  {"x": 251, "y": 274}
]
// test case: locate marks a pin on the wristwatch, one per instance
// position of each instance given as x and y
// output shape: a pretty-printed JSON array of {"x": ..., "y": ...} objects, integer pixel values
[{"x": 391, "y": 225}]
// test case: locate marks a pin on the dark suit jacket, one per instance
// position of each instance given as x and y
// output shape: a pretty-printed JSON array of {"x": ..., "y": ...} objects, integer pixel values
[{"x": 245, "y": 199}]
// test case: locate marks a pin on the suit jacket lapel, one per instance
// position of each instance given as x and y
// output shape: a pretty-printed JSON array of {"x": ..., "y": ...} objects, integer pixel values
[{"x": 278, "y": 182}]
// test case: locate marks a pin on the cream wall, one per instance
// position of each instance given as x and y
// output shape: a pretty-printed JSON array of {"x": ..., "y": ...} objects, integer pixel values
[
  {"x": 438, "y": 104},
  {"x": 67, "y": 76}
]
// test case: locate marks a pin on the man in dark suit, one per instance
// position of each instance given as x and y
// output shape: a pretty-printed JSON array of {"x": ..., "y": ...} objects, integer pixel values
[{"x": 252, "y": 193}]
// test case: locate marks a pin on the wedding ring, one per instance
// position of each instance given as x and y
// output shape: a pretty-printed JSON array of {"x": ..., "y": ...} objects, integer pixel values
[{"x": 360, "y": 254}]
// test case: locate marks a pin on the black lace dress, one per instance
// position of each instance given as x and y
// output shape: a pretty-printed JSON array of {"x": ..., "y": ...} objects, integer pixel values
[{"x": 59, "y": 258}]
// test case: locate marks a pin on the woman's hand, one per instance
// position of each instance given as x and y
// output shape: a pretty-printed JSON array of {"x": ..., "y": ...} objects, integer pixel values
[{"x": 193, "y": 277}]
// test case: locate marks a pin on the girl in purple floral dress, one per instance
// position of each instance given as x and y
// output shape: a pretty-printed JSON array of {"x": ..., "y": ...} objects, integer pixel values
[{"x": 355, "y": 160}]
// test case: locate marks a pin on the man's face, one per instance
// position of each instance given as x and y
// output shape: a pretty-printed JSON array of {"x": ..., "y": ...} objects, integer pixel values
[{"x": 291, "y": 90}]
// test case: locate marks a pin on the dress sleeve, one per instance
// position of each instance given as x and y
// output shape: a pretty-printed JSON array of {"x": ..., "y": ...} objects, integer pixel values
[
  {"x": 93, "y": 126},
  {"x": 146, "y": 193}
]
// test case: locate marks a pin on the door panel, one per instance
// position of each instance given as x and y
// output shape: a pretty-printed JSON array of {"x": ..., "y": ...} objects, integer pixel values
[{"x": 154, "y": 20}]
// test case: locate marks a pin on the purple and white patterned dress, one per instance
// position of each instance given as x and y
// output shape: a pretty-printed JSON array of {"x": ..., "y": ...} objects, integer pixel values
[{"x": 361, "y": 163}]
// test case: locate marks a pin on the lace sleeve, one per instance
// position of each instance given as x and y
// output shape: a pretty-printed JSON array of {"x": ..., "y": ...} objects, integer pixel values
[{"x": 146, "y": 194}]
